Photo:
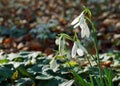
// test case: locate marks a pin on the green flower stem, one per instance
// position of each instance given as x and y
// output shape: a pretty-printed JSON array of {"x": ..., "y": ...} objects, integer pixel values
[
  {"x": 95, "y": 40},
  {"x": 96, "y": 48},
  {"x": 60, "y": 44},
  {"x": 94, "y": 59},
  {"x": 89, "y": 62}
]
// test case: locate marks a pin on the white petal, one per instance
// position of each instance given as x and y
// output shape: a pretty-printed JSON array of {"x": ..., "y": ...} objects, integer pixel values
[
  {"x": 82, "y": 33},
  {"x": 82, "y": 19},
  {"x": 76, "y": 20},
  {"x": 57, "y": 41},
  {"x": 80, "y": 52},
  {"x": 87, "y": 31},
  {"x": 33, "y": 61},
  {"x": 54, "y": 66},
  {"x": 84, "y": 28},
  {"x": 83, "y": 48},
  {"x": 76, "y": 25},
  {"x": 82, "y": 14},
  {"x": 74, "y": 50}
]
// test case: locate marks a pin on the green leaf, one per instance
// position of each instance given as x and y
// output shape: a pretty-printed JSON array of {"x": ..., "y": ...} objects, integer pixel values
[
  {"x": 4, "y": 61},
  {"x": 35, "y": 69},
  {"x": 48, "y": 82},
  {"x": 19, "y": 59},
  {"x": 79, "y": 80},
  {"x": 46, "y": 68},
  {"x": 2, "y": 79},
  {"x": 24, "y": 72},
  {"x": 15, "y": 75},
  {"x": 71, "y": 63},
  {"x": 54, "y": 66},
  {"x": 43, "y": 77},
  {"x": 98, "y": 81},
  {"x": 12, "y": 56},
  {"x": 67, "y": 83},
  {"x": 91, "y": 81},
  {"x": 108, "y": 74},
  {"x": 25, "y": 82},
  {"x": 15, "y": 32},
  {"x": 4, "y": 30},
  {"x": 6, "y": 72}
]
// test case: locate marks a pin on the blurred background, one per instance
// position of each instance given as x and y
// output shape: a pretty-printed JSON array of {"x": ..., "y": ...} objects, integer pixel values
[{"x": 32, "y": 25}]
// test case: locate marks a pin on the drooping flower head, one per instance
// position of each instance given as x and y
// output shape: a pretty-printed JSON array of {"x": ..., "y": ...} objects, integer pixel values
[
  {"x": 78, "y": 49},
  {"x": 80, "y": 21}
]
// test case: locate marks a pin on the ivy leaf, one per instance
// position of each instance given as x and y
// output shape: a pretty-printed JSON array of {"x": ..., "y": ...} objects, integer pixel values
[
  {"x": 44, "y": 77},
  {"x": 6, "y": 72},
  {"x": 25, "y": 82},
  {"x": 24, "y": 72},
  {"x": 67, "y": 83},
  {"x": 4, "y": 61}
]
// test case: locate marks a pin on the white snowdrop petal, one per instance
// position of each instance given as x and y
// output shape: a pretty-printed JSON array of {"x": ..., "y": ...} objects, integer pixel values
[
  {"x": 54, "y": 66},
  {"x": 84, "y": 28},
  {"x": 82, "y": 14},
  {"x": 57, "y": 41},
  {"x": 82, "y": 33},
  {"x": 76, "y": 25},
  {"x": 74, "y": 49},
  {"x": 80, "y": 52},
  {"x": 33, "y": 61},
  {"x": 81, "y": 47},
  {"x": 87, "y": 30},
  {"x": 80, "y": 21},
  {"x": 88, "y": 34},
  {"x": 76, "y": 20}
]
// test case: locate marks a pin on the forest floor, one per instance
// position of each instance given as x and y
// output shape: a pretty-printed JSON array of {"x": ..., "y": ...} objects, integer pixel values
[{"x": 32, "y": 25}]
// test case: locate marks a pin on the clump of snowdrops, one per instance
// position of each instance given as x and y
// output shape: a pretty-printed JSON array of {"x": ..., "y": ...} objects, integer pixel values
[{"x": 79, "y": 51}]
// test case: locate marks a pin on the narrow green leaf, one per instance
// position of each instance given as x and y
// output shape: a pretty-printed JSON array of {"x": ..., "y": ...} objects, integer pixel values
[
  {"x": 91, "y": 81},
  {"x": 80, "y": 80},
  {"x": 98, "y": 81},
  {"x": 108, "y": 77}
]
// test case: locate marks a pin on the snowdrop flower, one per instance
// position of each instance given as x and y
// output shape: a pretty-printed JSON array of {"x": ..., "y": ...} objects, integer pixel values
[
  {"x": 33, "y": 61},
  {"x": 78, "y": 49},
  {"x": 74, "y": 50},
  {"x": 54, "y": 66},
  {"x": 76, "y": 21},
  {"x": 80, "y": 52},
  {"x": 80, "y": 21},
  {"x": 57, "y": 41}
]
